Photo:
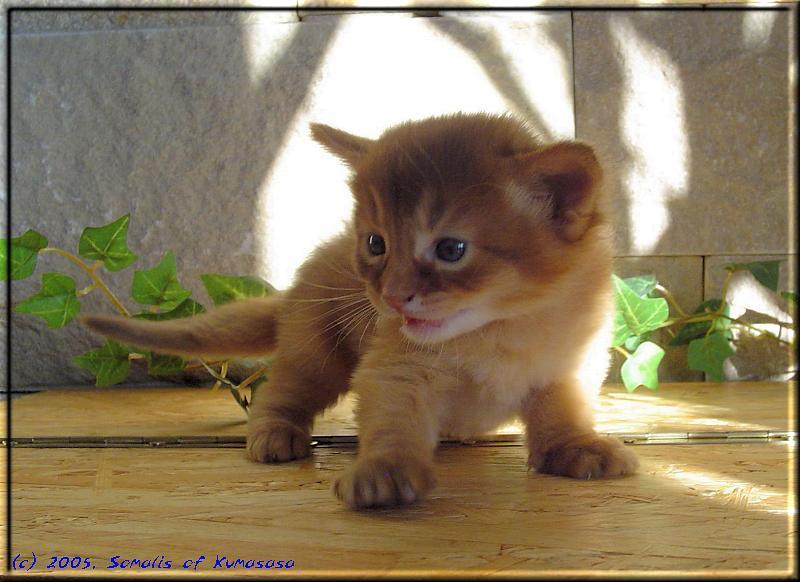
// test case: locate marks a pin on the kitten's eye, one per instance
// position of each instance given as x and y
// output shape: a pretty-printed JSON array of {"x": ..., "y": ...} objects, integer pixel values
[
  {"x": 450, "y": 249},
  {"x": 376, "y": 244}
]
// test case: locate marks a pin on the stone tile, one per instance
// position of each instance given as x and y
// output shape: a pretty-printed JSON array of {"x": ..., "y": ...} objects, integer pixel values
[
  {"x": 479, "y": 4},
  {"x": 48, "y": 21},
  {"x": 365, "y": 5},
  {"x": 681, "y": 276},
  {"x": 310, "y": 16},
  {"x": 169, "y": 126},
  {"x": 756, "y": 358},
  {"x": 689, "y": 111},
  {"x": 201, "y": 134}
]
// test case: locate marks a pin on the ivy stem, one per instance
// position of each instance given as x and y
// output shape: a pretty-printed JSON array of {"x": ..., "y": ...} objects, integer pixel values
[
  {"x": 688, "y": 319},
  {"x": 759, "y": 331},
  {"x": 252, "y": 377},
  {"x": 623, "y": 351},
  {"x": 92, "y": 272},
  {"x": 220, "y": 378},
  {"x": 201, "y": 364},
  {"x": 714, "y": 315},
  {"x": 725, "y": 286},
  {"x": 671, "y": 299}
]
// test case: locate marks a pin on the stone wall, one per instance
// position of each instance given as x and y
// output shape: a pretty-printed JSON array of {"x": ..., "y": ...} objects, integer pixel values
[{"x": 196, "y": 123}]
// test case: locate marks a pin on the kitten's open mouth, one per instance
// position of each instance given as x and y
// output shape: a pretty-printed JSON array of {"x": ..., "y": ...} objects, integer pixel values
[
  {"x": 426, "y": 327},
  {"x": 423, "y": 324}
]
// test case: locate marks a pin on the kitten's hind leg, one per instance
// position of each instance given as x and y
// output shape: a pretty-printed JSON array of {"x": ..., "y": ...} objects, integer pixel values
[{"x": 283, "y": 410}]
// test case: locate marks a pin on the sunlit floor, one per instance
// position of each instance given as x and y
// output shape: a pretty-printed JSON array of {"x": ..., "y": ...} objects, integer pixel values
[{"x": 693, "y": 508}]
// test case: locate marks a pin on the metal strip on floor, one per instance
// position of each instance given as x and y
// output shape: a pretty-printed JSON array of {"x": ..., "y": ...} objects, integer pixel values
[{"x": 212, "y": 442}]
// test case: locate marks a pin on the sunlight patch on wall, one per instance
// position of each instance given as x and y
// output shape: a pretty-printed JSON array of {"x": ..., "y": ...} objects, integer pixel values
[
  {"x": 757, "y": 29},
  {"x": 745, "y": 292},
  {"x": 653, "y": 125},
  {"x": 262, "y": 49},
  {"x": 535, "y": 62},
  {"x": 364, "y": 85}
]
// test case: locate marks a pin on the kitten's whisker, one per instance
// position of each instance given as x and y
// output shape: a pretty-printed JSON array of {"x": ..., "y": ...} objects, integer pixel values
[
  {"x": 333, "y": 310},
  {"x": 366, "y": 328},
  {"x": 342, "y": 318},
  {"x": 356, "y": 321},
  {"x": 340, "y": 270},
  {"x": 321, "y": 299},
  {"x": 354, "y": 307},
  {"x": 352, "y": 323},
  {"x": 317, "y": 285},
  {"x": 356, "y": 298},
  {"x": 332, "y": 326},
  {"x": 349, "y": 323}
]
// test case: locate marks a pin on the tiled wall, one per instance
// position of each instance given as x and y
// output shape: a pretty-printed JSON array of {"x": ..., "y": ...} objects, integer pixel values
[{"x": 196, "y": 124}]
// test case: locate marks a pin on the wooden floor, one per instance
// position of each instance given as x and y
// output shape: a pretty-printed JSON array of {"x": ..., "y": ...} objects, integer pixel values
[{"x": 726, "y": 507}]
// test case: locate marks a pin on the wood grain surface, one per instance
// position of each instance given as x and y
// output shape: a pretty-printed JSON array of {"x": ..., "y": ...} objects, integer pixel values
[
  {"x": 692, "y": 509},
  {"x": 199, "y": 411}
]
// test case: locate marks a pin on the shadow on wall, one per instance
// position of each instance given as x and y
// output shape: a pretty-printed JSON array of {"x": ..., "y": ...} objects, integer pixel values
[
  {"x": 182, "y": 140},
  {"x": 700, "y": 128},
  {"x": 488, "y": 52}
]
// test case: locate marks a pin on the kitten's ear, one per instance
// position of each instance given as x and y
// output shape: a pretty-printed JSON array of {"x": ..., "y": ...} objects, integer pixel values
[
  {"x": 346, "y": 146},
  {"x": 570, "y": 175}
]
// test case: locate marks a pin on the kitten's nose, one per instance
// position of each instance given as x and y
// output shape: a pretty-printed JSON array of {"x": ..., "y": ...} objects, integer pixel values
[{"x": 397, "y": 302}]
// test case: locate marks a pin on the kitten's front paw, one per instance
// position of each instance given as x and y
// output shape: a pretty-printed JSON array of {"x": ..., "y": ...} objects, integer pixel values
[
  {"x": 272, "y": 441},
  {"x": 384, "y": 481},
  {"x": 588, "y": 456}
]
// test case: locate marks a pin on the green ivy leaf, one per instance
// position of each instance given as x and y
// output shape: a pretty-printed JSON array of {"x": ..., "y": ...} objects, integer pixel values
[
  {"x": 642, "y": 285},
  {"x": 635, "y": 315},
  {"x": 698, "y": 329},
  {"x": 635, "y": 341},
  {"x": 161, "y": 364},
  {"x": 109, "y": 363},
  {"x": 224, "y": 288},
  {"x": 24, "y": 253},
  {"x": 707, "y": 354},
  {"x": 187, "y": 308},
  {"x": 641, "y": 367},
  {"x": 108, "y": 243},
  {"x": 765, "y": 272},
  {"x": 621, "y": 333},
  {"x": 57, "y": 302},
  {"x": 159, "y": 286}
]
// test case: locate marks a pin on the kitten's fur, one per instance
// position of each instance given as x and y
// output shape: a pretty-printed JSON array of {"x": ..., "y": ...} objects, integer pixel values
[{"x": 525, "y": 311}]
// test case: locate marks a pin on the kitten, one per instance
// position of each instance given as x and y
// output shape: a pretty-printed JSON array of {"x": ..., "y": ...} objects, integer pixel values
[{"x": 472, "y": 286}]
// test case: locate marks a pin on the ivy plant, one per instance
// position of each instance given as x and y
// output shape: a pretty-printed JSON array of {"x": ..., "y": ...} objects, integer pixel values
[
  {"x": 643, "y": 306},
  {"x": 157, "y": 291}
]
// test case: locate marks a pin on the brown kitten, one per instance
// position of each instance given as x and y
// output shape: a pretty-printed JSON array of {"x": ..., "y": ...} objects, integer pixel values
[{"x": 472, "y": 286}]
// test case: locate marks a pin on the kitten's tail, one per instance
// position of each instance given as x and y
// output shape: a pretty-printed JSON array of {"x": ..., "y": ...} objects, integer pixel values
[{"x": 239, "y": 329}]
